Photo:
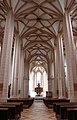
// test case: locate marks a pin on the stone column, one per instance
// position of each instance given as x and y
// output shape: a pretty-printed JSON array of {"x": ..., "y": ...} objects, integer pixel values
[
  {"x": 76, "y": 52},
  {"x": 36, "y": 78},
  {"x": 70, "y": 57},
  {"x": 0, "y": 52},
  {"x": 33, "y": 81},
  {"x": 50, "y": 74},
  {"x": 6, "y": 55},
  {"x": 55, "y": 90},
  {"x": 26, "y": 79},
  {"x": 15, "y": 67},
  {"x": 49, "y": 78},
  {"x": 50, "y": 84},
  {"x": 21, "y": 74},
  {"x": 61, "y": 79},
  {"x": 19, "y": 69}
]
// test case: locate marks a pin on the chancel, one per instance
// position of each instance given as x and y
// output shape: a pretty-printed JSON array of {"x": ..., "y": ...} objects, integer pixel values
[{"x": 38, "y": 59}]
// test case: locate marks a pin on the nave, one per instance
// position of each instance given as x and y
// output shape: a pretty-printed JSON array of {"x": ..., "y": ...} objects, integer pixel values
[
  {"x": 38, "y": 111},
  {"x": 38, "y": 55}
]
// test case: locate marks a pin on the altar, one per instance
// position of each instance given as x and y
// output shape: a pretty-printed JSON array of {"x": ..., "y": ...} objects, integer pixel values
[{"x": 38, "y": 89}]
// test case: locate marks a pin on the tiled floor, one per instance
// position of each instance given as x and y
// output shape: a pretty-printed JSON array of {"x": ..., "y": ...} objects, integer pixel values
[{"x": 38, "y": 111}]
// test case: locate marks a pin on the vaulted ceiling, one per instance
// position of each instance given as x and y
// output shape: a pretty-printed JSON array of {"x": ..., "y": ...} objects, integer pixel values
[{"x": 38, "y": 23}]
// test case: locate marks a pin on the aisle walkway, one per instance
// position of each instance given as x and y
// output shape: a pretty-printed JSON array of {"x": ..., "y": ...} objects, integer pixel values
[{"x": 38, "y": 111}]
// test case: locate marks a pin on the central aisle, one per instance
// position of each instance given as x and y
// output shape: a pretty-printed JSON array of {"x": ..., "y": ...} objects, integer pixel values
[{"x": 38, "y": 111}]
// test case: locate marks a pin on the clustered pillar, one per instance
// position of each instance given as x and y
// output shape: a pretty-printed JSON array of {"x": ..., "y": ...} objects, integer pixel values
[
  {"x": 61, "y": 75},
  {"x": 6, "y": 55},
  {"x": 70, "y": 57},
  {"x": 26, "y": 78}
]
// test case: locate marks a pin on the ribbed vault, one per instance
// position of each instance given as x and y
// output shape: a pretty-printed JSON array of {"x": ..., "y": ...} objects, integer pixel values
[{"x": 38, "y": 23}]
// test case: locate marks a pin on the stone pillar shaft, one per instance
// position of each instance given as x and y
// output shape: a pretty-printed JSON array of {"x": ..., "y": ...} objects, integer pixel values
[
  {"x": 55, "y": 94},
  {"x": 13, "y": 62},
  {"x": 70, "y": 54},
  {"x": 50, "y": 73},
  {"x": 22, "y": 75},
  {"x": 15, "y": 70},
  {"x": 19, "y": 69},
  {"x": 26, "y": 79},
  {"x": 61, "y": 79},
  {"x": 6, "y": 54},
  {"x": 33, "y": 81}
]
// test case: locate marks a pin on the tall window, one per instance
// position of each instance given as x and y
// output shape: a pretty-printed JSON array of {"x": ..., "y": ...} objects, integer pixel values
[{"x": 38, "y": 77}]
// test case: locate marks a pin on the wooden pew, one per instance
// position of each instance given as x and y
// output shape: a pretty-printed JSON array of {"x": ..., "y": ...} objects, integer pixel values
[
  {"x": 72, "y": 113},
  {"x": 63, "y": 109},
  {"x": 56, "y": 106},
  {"x": 4, "y": 115},
  {"x": 27, "y": 102},
  {"x": 19, "y": 107},
  {"x": 13, "y": 108},
  {"x": 49, "y": 101}
]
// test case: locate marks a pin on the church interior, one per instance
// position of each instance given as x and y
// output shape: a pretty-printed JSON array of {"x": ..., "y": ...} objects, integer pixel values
[{"x": 38, "y": 59}]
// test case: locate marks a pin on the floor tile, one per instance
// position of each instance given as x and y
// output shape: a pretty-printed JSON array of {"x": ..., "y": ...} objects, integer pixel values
[{"x": 38, "y": 111}]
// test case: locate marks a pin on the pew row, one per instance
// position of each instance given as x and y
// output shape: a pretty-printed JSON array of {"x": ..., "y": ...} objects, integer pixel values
[
  {"x": 65, "y": 110},
  {"x": 49, "y": 101},
  {"x": 11, "y": 110},
  {"x": 4, "y": 112},
  {"x": 27, "y": 102},
  {"x": 72, "y": 113}
]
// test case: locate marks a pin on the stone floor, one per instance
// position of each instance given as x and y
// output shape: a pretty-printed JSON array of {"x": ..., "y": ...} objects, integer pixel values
[{"x": 38, "y": 111}]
